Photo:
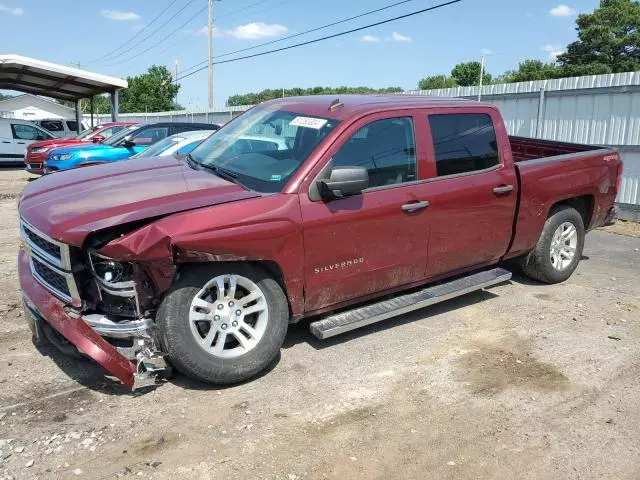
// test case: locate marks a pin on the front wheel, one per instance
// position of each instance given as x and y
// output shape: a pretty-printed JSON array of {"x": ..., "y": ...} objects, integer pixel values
[
  {"x": 559, "y": 247},
  {"x": 223, "y": 323}
]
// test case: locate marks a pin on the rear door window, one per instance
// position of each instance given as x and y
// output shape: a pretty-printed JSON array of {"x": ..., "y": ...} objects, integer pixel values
[
  {"x": 463, "y": 142},
  {"x": 72, "y": 125}
]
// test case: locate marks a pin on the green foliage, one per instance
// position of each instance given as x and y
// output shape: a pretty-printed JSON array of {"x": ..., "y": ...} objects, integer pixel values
[
  {"x": 101, "y": 104},
  {"x": 268, "y": 94},
  {"x": 530, "y": 70},
  {"x": 436, "y": 81},
  {"x": 152, "y": 91},
  {"x": 610, "y": 36},
  {"x": 466, "y": 74}
]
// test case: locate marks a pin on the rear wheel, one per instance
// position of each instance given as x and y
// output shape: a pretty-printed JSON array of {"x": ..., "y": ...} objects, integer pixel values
[
  {"x": 559, "y": 247},
  {"x": 223, "y": 323}
]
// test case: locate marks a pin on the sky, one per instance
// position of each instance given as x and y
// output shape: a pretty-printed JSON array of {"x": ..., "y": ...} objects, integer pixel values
[{"x": 395, "y": 54}]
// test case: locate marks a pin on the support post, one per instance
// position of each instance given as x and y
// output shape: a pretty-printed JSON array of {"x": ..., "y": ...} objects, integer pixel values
[
  {"x": 539, "y": 126},
  {"x": 114, "y": 106},
  {"x": 210, "y": 30},
  {"x": 78, "y": 117},
  {"x": 91, "y": 106},
  {"x": 481, "y": 75}
]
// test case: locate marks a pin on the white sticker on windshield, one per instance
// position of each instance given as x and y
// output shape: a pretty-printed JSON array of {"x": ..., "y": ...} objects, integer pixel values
[{"x": 308, "y": 122}]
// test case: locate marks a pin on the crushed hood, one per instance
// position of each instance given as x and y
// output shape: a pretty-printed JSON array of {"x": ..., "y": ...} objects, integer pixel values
[{"x": 69, "y": 205}]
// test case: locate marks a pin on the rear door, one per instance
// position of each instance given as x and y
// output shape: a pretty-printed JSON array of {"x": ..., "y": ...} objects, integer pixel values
[
  {"x": 472, "y": 193},
  {"x": 372, "y": 242}
]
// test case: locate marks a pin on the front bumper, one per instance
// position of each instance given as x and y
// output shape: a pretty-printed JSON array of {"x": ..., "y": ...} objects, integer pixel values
[
  {"x": 612, "y": 217},
  {"x": 42, "y": 305},
  {"x": 35, "y": 168}
]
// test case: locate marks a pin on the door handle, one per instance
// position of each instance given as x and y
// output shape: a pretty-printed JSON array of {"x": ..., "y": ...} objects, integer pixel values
[
  {"x": 502, "y": 189},
  {"x": 6, "y": 141},
  {"x": 20, "y": 143},
  {"x": 412, "y": 207}
]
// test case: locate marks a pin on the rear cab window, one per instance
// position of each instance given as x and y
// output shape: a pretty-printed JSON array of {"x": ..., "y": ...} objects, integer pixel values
[
  {"x": 52, "y": 125},
  {"x": 463, "y": 143}
]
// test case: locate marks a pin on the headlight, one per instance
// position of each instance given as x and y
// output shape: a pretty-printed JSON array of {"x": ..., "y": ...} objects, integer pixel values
[
  {"x": 39, "y": 149},
  {"x": 66, "y": 156},
  {"x": 109, "y": 270}
]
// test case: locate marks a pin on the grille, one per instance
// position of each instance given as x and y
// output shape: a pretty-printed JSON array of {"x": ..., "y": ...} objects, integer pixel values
[
  {"x": 54, "y": 281},
  {"x": 41, "y": 243},
  {"x": 50, "y": 263}
]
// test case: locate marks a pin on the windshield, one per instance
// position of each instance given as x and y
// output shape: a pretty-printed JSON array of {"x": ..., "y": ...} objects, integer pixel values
[
  {"x": 85, "y": 134},
  {"x": 263, "y": 148},
  {"x": 118, "y": 137},
  {"x": 160, "y": 147}
]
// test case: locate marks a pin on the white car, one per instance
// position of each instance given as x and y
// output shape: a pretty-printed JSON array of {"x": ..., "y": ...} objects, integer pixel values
[
  {"x": 178, "y": 144},
  {"x": 61, "y": 127},
  {"x": 15, "y": 135}
]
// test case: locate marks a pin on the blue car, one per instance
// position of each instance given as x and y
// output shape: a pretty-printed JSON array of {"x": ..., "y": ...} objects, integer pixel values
[{"x": 121, "y": 146}]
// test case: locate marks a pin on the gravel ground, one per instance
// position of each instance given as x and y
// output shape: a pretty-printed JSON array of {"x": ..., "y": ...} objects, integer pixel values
[{"x": 521, "y": 381}]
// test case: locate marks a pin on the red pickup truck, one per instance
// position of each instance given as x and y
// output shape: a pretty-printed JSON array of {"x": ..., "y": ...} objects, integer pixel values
[{"x": 343, "y": 211}]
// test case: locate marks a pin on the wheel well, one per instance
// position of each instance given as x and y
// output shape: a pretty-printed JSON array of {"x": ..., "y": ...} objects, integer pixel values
[
  {"x": 583, "y": 204},
  {"x": 271, "y": 267}
]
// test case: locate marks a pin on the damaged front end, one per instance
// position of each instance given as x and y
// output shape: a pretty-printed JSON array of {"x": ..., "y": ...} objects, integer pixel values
[{"x": 103, "y": 306}]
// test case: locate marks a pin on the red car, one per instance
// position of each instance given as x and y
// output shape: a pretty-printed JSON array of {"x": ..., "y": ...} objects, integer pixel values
[
  {"x": 37, "y": 152},
  {"x": 346, "y": 212}
]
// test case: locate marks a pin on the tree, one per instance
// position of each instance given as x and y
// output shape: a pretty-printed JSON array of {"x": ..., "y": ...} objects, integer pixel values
[
  {"x": 268, "y": 94},
  {"x": 466, "y": 74},
  {"x": 436, "y": 81},
  {"x": 530, "y": 70},
  {"x": 152, "y": 91},
  {"x": 609, "y": 36}
]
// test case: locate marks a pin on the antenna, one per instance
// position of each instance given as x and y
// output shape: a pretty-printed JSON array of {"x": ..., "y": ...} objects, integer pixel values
[{"x": 336, "y": 104}]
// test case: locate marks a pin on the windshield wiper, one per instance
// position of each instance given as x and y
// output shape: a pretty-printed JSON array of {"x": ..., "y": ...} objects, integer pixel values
[{"x": 219, "y": 171}]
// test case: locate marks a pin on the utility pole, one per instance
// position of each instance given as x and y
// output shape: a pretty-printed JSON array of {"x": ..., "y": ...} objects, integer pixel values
[
  {"x": 481, "y": 75},
  {"x": 210, "y": 53}
]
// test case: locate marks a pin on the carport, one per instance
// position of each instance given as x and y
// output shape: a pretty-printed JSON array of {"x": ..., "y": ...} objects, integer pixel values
[{"x": 38, "y": 77}]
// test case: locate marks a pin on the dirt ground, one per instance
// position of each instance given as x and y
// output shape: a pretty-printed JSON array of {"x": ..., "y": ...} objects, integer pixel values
[{"x": 521, "y": 381}]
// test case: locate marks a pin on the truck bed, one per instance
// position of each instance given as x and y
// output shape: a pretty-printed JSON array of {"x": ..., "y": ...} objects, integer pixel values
[
  {"x": 524, "y": 149},
  {"x": 548, "y": 172}
]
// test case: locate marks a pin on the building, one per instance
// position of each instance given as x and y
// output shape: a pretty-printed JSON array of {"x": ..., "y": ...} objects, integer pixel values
[{"x": 33, "y": 107}]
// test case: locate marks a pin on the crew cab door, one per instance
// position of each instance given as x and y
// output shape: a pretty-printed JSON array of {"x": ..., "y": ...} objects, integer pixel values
[
  {"x": 369, "y": 242},
  {"x": 472, "y": 189}
]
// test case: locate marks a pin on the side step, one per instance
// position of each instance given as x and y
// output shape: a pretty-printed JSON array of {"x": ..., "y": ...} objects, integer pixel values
[{"x": 375, "y": 312}]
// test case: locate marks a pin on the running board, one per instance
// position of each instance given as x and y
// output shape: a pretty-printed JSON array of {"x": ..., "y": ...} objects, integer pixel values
[{"x": 376, "y": 312}]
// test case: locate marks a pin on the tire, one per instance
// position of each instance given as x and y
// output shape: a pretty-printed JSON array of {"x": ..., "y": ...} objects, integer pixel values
[
  {"x": 538, "y": 264},
  {"x": 187, "y": 341}
]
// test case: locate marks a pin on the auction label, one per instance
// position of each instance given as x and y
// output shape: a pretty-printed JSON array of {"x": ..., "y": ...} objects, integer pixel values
[{"x": 308, "y": 122}]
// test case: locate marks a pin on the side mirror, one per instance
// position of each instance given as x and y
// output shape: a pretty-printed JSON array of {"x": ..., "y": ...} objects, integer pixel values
[
  {"x": 97, "y": 139},
  {"x": 344, "y": 182},
  {"x": 128, "y": 142}
]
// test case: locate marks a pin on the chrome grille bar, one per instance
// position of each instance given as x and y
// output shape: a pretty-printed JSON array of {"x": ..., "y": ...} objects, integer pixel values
[{"x": 50, "y": 263}]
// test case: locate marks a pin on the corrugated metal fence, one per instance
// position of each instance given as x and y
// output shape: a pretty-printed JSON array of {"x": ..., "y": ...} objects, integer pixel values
[{"x": 595, "y": 109}]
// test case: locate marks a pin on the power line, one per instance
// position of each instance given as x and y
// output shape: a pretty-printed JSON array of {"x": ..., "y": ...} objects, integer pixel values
[
  {"x": 327, "y": 37},
  {"x": 167, "y": 37},
  {"x": 136, "y": 35},
  {"x": 180, "y": 28},
  {"x": 194, "y": 37},
  {"x": 288, "y": 37},
  {"x": 131, "y": 47}
]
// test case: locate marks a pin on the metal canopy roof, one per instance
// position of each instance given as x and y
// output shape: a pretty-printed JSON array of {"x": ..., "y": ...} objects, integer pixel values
[{"x": 52, "y": 80}]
